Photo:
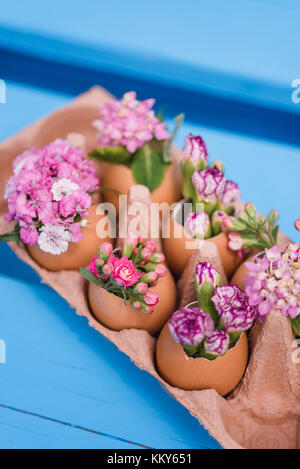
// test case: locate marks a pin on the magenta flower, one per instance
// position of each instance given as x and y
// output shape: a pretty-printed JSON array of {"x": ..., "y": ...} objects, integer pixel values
[
  {"x": 217, "y": 343},
  {"x": 231, "y": 195},
  {"x": 195, "y": 149},
  {"x": 129, "y": 122},
  {"x": 125, "y": 273},
  {"x": 29, "y": 235},
  {"x": 197, "y": 225},
  {"x": 93, "y": 267},
  {"x": 151, "y": 298},
  {"x": 189, "y": 326},
  {"x": 233, "y": 307},
  {"x": 206, "y": 272},
  {"x": 209, "y": 184}
]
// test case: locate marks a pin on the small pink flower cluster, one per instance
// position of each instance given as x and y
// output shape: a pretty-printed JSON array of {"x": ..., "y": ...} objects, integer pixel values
[
  {"x": 130, "y": 272},
  {"x": 274, "y": 282},
  {"x": 129, "y": 123},
  {"x": 48, "y": 195}
]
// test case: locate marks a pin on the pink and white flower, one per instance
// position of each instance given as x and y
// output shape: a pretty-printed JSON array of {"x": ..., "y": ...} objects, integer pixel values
[
  {"x": 125, "y": 272},
  {"x": 195, "y": 149},
  {"x": 54, "y": 239},
  {"x": 63, "y": 188},
  {"x": 217, "y": 343},
  {"x": 231, "y": 195},
  {"x": 189, "y": 326},
  {"x": 197, "y": 224},
  {"x": 209, "y": 184}
]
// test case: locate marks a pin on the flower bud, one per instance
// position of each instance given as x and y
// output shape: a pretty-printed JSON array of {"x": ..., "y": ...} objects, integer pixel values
[
  {"x": 137, "y": 304},
  {"x": 209, "y": 185},
  {"x": 146, "y": 253},
  {"x": 151, "y": 245},
  {"x": 151, "y": 298},
  {"x": 196, "y": 151},
  {"x": 161, "y": 270},
  {"x": 158, "y": 257},
  {"x": 197, "y": 225},
  {"x": 227, "y": 223},
  {"x": 107, "y": 269},
  {"x": 130, "y": 245},
  {"x": 216, "y": 222},
  {"x": 297, "y": 224},
  {"x": 250, "y": 209},
  {"x": 105, "y": 250},
  {"x": 206, "y": 280},
  {"x": 149, "y": 277},
  {"x": 141, "y": 287},
  {"x": 147, "y": 309},
  {"x": 236, "y": 241}
]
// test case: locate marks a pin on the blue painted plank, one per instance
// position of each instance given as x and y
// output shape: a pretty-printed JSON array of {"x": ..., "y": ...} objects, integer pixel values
[
  {"x": 246, "y": 51},
  {"x": 19, "y": 430},
  {"x": 59, "y": 367}
]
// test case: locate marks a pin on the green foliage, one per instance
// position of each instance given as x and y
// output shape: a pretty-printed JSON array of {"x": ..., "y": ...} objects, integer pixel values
[{"x": 114, "y": 155}]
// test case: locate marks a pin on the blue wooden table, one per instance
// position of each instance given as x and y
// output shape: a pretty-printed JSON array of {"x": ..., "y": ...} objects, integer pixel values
[{"x": 65, "y": 386}]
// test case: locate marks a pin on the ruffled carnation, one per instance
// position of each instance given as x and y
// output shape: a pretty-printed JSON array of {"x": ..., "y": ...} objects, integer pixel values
[
  {"x": 189, "y": 326},
  {"x": 129, "y": 122},
  {"x": 209, "y": 184},
  {"x": 195, "y": 149},
  {"x": 217, "y": 343},
  {"x": 205, "y": 271},
  {"x": 197, "y": 224},
  {"x": 234, "y": 309},
  {"x": 231, "y": 195}
]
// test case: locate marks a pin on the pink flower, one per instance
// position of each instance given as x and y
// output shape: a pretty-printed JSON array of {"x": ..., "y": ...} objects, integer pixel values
[
  {"x": 151, "y": 245},
  {"x": 197, "y": 225},
  {"x": 29, "y": 235},
  {"x": 151, "y": 298},
  {"x": 297, "y": 224},
  {"x": 106, "y": 249},
  {"x": 125, "y": 273},
  {"x": 142, "y": 287},
  {"x": 161, "y": 270},
  {"x": 146, "y": 253},
  {"x": 235, "y": 241},
  {"x": 209, "y": 184},
  {"x": 195, "y": 149},
  {"x": 93, "y": 267},
  {"x": 232, "y": 194},
  {"x": 227, "y": 223},
  {"x": 129, "y": 122},
  {"x": 205, "y": 272}
]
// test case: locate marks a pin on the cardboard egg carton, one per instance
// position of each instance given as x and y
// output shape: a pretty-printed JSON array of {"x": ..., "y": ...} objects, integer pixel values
[{"x": 264, "y": 410}]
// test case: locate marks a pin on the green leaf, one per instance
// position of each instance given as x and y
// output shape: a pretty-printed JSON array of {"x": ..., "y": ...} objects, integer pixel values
[
  {"x": 192, "y": 350},
  {"x": 114, "y": 155},
  {"x": 234, "y": 338},
  {"x": 167, "y": 148},
  {"x": 148, "y": 168},
  {"x": 296, "y": 324},
  {"x": 204, "y": 293},
  {"x": 88, "y": 275},
  {"x": 13, "y": 235}
]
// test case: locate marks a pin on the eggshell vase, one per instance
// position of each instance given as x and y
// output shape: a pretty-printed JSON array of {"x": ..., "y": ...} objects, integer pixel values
[
  {"x": 120, "y": 179},
  {"x": 178, "y": 255},
  {"x": 180, "y": 371},
  {"x": 78, "y": 254},
  {"x": 111, "y": 311}
]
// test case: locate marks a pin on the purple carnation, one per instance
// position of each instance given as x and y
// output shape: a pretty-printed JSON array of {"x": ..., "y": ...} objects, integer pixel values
[
  {"x": 195, "y": 149},
  {"x": 205, "y": 271},
  {"x": 209, "y": 184},
  {"x": 233, "y": 307},
  {"x": 189, "y": 326},
  {"x": 217, "y": 343},
  {"x": 197, "y": 224},
  {"x": 231, "y": 194}
]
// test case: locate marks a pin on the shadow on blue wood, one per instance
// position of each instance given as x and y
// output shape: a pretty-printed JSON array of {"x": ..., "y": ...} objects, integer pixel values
[{"x": 58, "y": 367}]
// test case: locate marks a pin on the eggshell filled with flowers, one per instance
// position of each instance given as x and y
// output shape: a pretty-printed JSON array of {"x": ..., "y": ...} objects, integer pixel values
[
  {"x": 78, "y": 254},
  {"x": 180, "y": 371},
  {"x": 50, "y": 200},
  {"x": 112, "y": 312},
  {"x": 135, "y": 148},
  {"x": 130, "y": 287}
]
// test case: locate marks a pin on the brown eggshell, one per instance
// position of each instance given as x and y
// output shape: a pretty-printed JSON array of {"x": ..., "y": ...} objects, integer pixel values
[
  {"x": 178, "y": 256},
  {"x": 120, "y": 178},
  {"x": 111, "y": 311},
  {"x": 240, "y": 274},
  {"x": 78, "y": 254},
  {"x": 191, "y": 374}
]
